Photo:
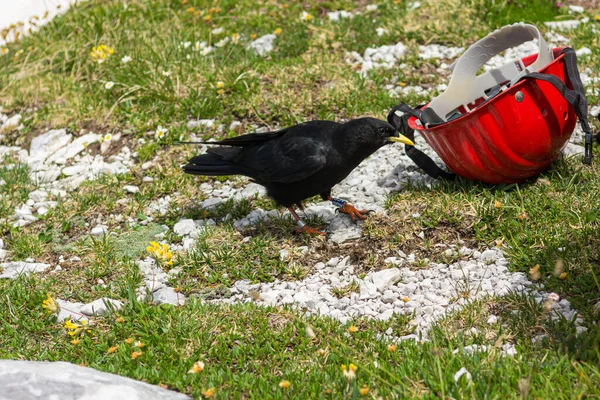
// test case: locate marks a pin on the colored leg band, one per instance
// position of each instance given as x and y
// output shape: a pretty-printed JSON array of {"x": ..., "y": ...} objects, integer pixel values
[
  {"x": 338, "y": 202},
  {"x": 301, "y": 223}
]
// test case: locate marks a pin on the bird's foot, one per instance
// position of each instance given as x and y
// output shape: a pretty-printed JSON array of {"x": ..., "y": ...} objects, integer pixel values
[
  {"x": 353, "y": 212},
  {"x": 309, "y": 231}
]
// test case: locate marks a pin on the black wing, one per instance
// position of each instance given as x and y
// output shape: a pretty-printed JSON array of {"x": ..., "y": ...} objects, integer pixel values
[{"x": 292, "y": 157}]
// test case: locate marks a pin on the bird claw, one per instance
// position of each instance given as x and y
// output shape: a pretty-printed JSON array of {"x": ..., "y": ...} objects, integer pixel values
[
  {"x": 353, "y": 212},
  {"x": 309, "y": 231}
]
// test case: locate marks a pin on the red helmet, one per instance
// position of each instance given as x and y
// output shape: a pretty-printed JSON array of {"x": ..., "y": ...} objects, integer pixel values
[{"x": 505, "y": 125}]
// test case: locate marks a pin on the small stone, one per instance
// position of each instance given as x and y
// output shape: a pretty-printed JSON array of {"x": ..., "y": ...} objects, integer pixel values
[
  {"x": 167, "y": 295},
  {"x": 270, "y": 298},
  {"x": 147, "y": 179},
  {"x": 131, "y": 189},
  {"x": 185, "y": 227},
  {"x": 389, "y": 297},
  {"x": 386, "y": 278},
  {"x": 211, "y": 203},
  {"x": 283, "y": 254},
  {"x": 492, "y": 319},
  {"x": 99, "y": 230},
  {"x": 333, "y": 262},
  {"x": 236, "y": 126},
  {"x": 38, "y": 196},
  {"x": 147, "y": 165},
  {"x": 460, "y": 373}
]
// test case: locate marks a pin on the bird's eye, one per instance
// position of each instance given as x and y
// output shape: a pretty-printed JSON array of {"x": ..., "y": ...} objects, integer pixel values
[{"x": 382, "y": 130}]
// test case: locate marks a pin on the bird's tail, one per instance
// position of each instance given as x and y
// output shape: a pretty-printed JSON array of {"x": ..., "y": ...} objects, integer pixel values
[{"x": 211, "y": 165}]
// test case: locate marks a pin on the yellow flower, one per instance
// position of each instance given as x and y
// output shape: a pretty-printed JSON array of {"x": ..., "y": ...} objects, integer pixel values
[
  {"x": 208, "y": 393},
  {"x": 352, "y": 329},
  {"x": 135, "y": 355},
  {"x": 191, "y": 10},
  {"x": 50, "y": 305},
  {"x": 306, "y": 16},
  {"x": 220, "y": 84},
  {"x": 75, "y": 341},
  {"x": 321, "y": 352},
  {"x": 112, "y": 349},
  {"x": 207, "y": 17},
  {"x": 76, "y": 328},
  {"x": 107, "y": 137},
  {"x": 3, "y": 51},
  {"x": 364, "y": 390},
  {"x": 284, "y": 384},
  {"x": 497, "y": 204},
  {"x": 160, "y": 253},
  {"x": 100, "y": 53},
  {"x": 534, "y": 272},
  {"x": 120, "y": 319},
  {"x": 220, "y": 91},
  {"x": 253, "y": 36},
  {"x": 392, "y": 347},
  {"x": 563, "y": 276},
  {"x": 349, "y": 372},
  {"x": 129, "y": 340},
  {"x": 196, "y": 368},
  {"x": 277, "y": 31},
  {"x": 597, "y": 17},
  {"x": 402, "y": 84},
  {"x": 235, "y": 38},
  {"x": 218, "y": 9},
  {"x": 405, "y": 299},
  {"x": 139, "y": 344}
]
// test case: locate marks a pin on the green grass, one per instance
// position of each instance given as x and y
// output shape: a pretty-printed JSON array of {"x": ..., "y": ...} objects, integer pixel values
[{"x": 249, "y": 349}]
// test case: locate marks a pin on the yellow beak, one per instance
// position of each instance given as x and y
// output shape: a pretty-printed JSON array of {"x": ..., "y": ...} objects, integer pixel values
[{"x": 401, "y": 139}]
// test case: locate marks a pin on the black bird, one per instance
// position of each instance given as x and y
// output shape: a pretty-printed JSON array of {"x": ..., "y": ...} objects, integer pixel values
[{"x": 299, "y": 162}]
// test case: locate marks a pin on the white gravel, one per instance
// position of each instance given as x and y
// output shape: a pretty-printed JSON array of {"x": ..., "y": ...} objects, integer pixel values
[{"x": 377, "y": 57}]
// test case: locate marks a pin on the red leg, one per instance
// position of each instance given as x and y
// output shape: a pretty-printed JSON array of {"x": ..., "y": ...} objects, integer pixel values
[
  {"x": 302, "y": 227},
  {"x": 349, "y": 209}
]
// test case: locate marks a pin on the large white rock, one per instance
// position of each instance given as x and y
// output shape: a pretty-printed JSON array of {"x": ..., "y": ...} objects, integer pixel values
[
  {"x": 74, "y": 148},
  {"x": 47, "y": 144},
  {"x": 32, "y": 380},
  {"x": 45, "y": 175},
  {"x": 70, "y": 310},
  {"x": 98, "y": 307},
  {"x": 12, "y": 270}
]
